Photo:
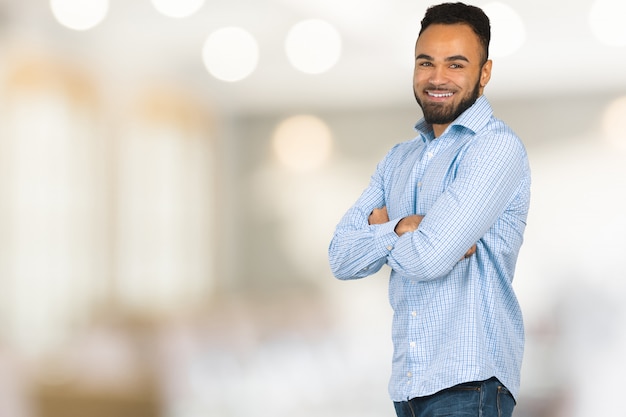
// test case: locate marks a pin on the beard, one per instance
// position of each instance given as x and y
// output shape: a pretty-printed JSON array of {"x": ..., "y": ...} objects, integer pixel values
[{"x": 442, "y": 114}]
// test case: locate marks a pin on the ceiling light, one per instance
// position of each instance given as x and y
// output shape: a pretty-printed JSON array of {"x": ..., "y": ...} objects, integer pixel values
[
  {"x": 302, "y": 143},
  {"x": 508, "y": 32},
  {"x": 230, "y": 54},
  {"x": 606, "y": 21},
  {"x": 177, "y": 8},
  {"x": 79, "y": 14},
  {"x": 313, "y": 46}
]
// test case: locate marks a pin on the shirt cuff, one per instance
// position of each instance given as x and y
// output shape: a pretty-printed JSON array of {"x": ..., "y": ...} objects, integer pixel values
[{"x": 385, "y": 236}]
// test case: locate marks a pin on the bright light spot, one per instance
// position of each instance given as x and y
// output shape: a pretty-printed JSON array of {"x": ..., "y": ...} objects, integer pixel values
[
  {"x": 313, "y": 46},
  {"x": 606, "y": 19},
  {"x": 230, "y": 54},
  {"x": 79, "y": 14},
  {"x": 177, "y": 8},
  {"x": 508, "y": 32},
  {"x": 613, "y": 123},
  {"x": 302, "y": 143}
]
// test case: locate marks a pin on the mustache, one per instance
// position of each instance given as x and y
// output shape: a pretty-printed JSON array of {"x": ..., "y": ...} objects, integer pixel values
[{"x": 445, "y": 87}]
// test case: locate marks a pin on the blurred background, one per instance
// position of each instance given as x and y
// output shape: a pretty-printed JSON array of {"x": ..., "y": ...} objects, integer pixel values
[{"x": 171, "y": 173}]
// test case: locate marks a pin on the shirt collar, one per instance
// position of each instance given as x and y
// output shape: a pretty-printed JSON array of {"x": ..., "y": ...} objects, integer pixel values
[{"x": 474, "y": 118}]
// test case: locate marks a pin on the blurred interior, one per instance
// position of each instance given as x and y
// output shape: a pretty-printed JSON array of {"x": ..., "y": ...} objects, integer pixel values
[{"x": 163, "y": 232}]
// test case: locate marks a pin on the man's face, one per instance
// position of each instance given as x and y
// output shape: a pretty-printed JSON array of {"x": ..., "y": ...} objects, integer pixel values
[{"x": 449, "y": 73}]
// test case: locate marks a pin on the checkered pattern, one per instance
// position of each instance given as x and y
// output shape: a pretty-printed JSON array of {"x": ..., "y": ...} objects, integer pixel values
[{"x": 454, "y": 320}]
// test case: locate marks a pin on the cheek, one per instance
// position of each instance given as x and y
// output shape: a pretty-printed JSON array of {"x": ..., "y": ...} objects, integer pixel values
[
  {"x": 419, "y": 77},
  {"x": 468, "y": 81}
]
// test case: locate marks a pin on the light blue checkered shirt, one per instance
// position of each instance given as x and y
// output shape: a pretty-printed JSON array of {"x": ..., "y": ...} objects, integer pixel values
[{"x": 454, "y": 321}]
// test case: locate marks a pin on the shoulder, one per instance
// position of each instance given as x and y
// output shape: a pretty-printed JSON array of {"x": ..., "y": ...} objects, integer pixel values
[
  {"x": 408, "y": 146},
  {"x": 404, "y": 150},
  {"x": 495, "y": 147},
  {"x": 497, "y": 136}
]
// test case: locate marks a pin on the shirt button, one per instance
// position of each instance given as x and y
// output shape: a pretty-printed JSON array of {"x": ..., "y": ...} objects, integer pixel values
[
  {"x": 419, "y": 184},
  {"x": 429, "y": 155},
  {"x": 412, "y": 344},
  {"x": 414, "y": 313},
  {"x": 389, "y": 247},
  {"x": 409, "y": 374}
]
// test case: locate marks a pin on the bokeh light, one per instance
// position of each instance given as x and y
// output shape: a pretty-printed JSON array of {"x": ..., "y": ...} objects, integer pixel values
[
  {"x": 613, "y": 123},
  {"x": 177, "y": 8},
  {"x": 79, "y": 14},
  {"x": 606, "y": 19},
  {"x": 508, "y": 32},
  {"x": 313, "y": 46},
  {"x": 230, "y": 54},
  {"x": 302, "y": 143}
]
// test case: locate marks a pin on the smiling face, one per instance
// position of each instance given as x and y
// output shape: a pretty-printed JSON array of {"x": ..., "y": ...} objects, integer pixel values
[{"x": 450, "y": 73}]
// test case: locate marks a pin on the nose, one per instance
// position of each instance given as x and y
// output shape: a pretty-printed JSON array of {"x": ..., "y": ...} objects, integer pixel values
[{"x": 437, "y": 76}]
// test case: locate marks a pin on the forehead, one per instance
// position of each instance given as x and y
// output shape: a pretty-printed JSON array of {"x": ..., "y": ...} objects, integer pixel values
[{"x": 441, "y": 41}]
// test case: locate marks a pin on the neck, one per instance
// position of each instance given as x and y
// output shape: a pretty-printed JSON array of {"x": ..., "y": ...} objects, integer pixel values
[{"x": 439, "y": 129}]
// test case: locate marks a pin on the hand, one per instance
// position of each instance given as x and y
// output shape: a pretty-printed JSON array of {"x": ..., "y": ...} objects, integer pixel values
[
  {"x": 408, "y": 224},
  {"x": 378, "y": 216},
  {"x": 470, "y": 252}
]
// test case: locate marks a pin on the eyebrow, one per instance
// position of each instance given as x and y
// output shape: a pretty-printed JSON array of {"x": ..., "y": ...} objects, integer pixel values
[{"x": 448, "y": 59}]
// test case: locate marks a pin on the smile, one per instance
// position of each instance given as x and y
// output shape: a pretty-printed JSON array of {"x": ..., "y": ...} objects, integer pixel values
[{"x": 439, "y": 95}]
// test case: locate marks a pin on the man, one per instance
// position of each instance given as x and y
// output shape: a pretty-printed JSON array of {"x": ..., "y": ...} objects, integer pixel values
[{"x": 463, "y": 183}]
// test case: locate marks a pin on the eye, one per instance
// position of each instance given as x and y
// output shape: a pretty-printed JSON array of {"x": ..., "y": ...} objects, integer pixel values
[
  {"x": 456, "y": 66},
  {"x": 425, "y": 64}
]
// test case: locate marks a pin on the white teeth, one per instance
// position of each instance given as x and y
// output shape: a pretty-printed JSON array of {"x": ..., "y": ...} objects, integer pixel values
[{"x": 441, "y": 95}]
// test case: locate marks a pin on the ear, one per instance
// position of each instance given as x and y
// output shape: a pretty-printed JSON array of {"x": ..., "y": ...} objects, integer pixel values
[{"x": 485, "y": 73}]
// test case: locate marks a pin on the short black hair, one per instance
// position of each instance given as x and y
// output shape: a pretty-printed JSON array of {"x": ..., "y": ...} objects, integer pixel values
[{"x": 455, "y": 13}]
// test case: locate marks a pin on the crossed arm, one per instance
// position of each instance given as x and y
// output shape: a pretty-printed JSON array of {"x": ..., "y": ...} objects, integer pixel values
[
  {"x": 486, "y": 179},
  {"x": 407, "y": 224}
]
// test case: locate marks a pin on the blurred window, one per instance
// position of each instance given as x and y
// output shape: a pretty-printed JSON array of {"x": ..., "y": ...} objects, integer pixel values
[
  {"x": 164, "y": 200},
  {"x": 52, "y": 208}
]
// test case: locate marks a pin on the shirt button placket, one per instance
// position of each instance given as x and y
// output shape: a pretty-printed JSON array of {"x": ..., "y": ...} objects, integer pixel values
[{"x": 409, "y": 378}]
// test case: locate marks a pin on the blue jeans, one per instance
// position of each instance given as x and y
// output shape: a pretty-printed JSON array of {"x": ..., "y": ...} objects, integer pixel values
[{"x": 473, "y": 399}]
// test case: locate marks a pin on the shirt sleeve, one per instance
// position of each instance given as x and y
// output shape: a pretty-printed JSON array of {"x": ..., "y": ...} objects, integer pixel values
[
  {"x": 489, "y": 174},
  {"x": 357, "y": 248}
]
